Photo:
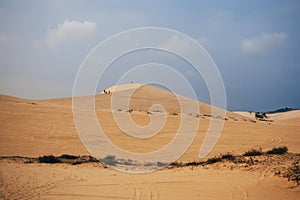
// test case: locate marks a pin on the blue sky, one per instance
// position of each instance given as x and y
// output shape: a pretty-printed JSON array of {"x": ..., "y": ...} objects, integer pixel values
[{"x": 255, "y": 44}]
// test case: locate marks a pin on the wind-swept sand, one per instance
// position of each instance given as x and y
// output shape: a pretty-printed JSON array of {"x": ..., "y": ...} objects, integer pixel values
[
  {"x": 35, "y": 128},
  {"x": 274, "y": 116}
]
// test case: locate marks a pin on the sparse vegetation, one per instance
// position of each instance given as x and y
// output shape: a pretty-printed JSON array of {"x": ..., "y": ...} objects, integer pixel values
[
  {"x": 273, "y": 156},
  {"x": 176, "y": 164},
  {"x": 278, "y": 150},
  {"x": 193, "y": 163},
  {"x": 213, "y": 160},
  {"x": 69, "y": 157},
  {"x": 253, "y": 152},
  {"x": 228, "y": 156},
  {"x": 48, "y": 159}
]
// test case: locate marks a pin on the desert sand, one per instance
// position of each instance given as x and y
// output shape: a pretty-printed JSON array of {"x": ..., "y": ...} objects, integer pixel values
[{"x": 33, "y": 128}]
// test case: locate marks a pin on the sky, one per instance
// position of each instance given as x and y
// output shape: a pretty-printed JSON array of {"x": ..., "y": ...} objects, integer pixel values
[{"x": 255, "y": 45}]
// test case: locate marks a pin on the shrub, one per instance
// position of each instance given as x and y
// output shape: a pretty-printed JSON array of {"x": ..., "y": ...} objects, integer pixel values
[
  {"x": 278, "y": 150},
  {"x": 228, "y": 156},
  {"x": 253, "y": 152},
  {"x": 81, "y": 159},
  {"x": 193, "y": 163},
  {"x": 213, "y": 160},
  {"x": 68, "y": 157},
  {"x": 176, "y": 164},
  {"x": 48, "y": 159}
]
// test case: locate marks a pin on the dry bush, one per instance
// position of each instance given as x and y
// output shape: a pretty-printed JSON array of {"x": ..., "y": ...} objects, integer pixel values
[
  {"x": 278, "y": 150},
  {"x": 253, "y": 152}
]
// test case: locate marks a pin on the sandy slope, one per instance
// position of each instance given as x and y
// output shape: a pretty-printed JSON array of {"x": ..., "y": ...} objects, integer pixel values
[
  {"x": 118, "y": 88},
  {"x": 42, "y": 181},
  {"x": 36, "y": 128}
]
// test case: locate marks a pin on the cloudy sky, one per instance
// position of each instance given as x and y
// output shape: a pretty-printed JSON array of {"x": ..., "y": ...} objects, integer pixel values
[{"x": 255, "y": 44}]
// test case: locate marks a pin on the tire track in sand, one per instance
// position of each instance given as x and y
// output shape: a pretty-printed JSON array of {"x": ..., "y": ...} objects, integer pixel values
[
  {"x": 264, "y": 174},
  {"x": 150, "y": 185},
  {"x": 142, "y": 188},
  {"x": 33, "y": 190},
  {"x": 51, "y": 128},
  {"x": 136, "y": 191},
  {"x": 274, "y": 141}
]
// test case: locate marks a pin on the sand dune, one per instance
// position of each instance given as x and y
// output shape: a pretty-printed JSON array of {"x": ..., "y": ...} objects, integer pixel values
[
  {"x": 118, "y": 88},
  {"x": 36, "y": 128},
  {"x": 274, "y": 116}
]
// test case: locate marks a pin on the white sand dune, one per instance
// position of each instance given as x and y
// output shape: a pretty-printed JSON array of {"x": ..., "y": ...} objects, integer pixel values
[
  {"x": 44, "y": 127},
  {"x": 285, "y": 115},
  {"x": 274, "y": 116},
  {"x": 118, "y": 88}
]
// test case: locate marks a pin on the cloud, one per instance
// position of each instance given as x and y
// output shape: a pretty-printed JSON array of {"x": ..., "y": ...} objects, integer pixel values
[
  {"x": 69, "y": 31},
  {"x": 29, "y": 87},
  {"x": 263, "y": 42},
  {"x": 3, "y": 39},
  {"x": 178, "y": 43},
  {"x": 7, "y": 40}
]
